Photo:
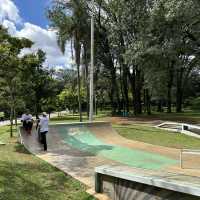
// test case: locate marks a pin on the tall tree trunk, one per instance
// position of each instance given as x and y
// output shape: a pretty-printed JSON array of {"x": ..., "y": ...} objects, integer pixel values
[
  {"x": 147, "y": 101},
  {"x": 96, "y": 105},
  {"x": 14, "y": 109},
  {"x": 77, "y": 52},
  {"x": 114, "y": 92},
  {"x": 125, "y": 87},
  {"x": 124, "y": 68},
  {"x": 11, "y": 121},
  {"x": 15, "y": 116},
  {"x": 37, "y": 107},
  {"x": 79, "y": 93},
  {"x": 122, "y": 105},
  {"x": 115, "y": 100},
  {"x": 86, "y": 63},
  {"x": 179, "y": 90},
  {"x": 169, "y": 86},
  {"x": 159, "y": 108},
  {"x": 11, "y": 108},
  {"x": 132, "y": 81},
  {"x": 107, "y": 60},
  {"x": 138, "y": 87},
  {"x": 169, "y": 99}
]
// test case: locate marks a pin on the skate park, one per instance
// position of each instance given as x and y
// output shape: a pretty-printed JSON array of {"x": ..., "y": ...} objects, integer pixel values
[
  {"x": 100, "y": 100},
  {"x": 108, "y": 164}
]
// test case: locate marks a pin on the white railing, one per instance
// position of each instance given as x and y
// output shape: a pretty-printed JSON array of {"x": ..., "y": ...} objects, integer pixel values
[{"x": 181, "y": 127}]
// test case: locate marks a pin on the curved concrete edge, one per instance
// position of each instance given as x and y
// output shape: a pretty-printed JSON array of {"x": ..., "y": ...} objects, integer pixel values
[{"x": 81, "y": 123}]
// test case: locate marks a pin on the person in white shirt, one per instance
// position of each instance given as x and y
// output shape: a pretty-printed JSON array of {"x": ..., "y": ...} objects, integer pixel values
[
  {"x": 44, "y": 128},
  {"x": 23, "y": 120},
  {"x": 27, "y": 121}
]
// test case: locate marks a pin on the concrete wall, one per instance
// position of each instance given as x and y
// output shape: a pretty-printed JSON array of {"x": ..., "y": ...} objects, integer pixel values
[{"x": 120, "y": 189}]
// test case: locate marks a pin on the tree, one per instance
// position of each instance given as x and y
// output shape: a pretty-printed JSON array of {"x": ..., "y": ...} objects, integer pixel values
[
  {"x": 41, "y": 87},
  {"x": 10, "y": 81},
  {"x": 71, "y": 20},
  {"x": 173, "y": 26},
  {"x": 145, "y": 50}
]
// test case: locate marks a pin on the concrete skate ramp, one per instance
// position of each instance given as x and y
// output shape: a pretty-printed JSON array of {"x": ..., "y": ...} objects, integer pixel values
[
  {"x": 80, "y": 147},
  {"x": 101, "y": 140}
]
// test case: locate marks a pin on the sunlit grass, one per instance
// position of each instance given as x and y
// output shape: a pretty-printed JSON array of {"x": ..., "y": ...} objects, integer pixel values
[
  {"x": 156, "y": 136},
  {"x": 75, "y": 118},
  {"x": 25, "y": 177}
]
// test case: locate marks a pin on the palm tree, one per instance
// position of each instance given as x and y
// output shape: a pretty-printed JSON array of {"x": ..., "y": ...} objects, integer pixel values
[{"x": 71, "y": 20}]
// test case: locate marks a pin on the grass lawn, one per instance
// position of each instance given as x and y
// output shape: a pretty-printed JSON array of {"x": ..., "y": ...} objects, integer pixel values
[
  {"x": 68, "y": 118},
  {"x": 25, "y": 177},
  {"x": 155, "y": 136},
  {"x": 186, "y": 117},
  {"x": 75, "y": 117}
]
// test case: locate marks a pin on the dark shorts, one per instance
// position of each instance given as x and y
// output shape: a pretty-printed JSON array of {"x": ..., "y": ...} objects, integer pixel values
[{"x": 27, "y": 125}]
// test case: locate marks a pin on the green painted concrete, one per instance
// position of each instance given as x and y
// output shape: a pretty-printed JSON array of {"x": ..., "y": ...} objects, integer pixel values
[{"x": 81, "y": 138}]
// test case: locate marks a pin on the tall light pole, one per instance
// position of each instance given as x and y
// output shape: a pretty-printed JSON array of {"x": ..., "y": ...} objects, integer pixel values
[{"x": 92, "y": 69}]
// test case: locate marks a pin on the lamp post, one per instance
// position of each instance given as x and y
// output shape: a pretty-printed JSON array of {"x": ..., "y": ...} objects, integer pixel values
[{"x": 92, "y": 70}]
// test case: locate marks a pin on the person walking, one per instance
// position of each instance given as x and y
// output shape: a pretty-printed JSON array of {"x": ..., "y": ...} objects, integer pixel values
[
  {"x": 23, "y": 120},
  {"x": 27, "y": 121},
  {"x": 44, "y": 128},
  {"x": 37, "y": 127}
]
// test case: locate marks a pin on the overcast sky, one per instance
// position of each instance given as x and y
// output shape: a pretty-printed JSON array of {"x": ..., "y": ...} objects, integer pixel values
[{"x": 26, "y": 18}]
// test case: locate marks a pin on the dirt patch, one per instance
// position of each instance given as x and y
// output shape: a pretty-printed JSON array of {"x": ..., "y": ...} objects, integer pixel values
[{"x": 130, "y": 121}]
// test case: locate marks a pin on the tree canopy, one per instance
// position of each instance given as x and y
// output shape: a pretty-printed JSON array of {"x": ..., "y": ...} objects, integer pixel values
[
  {"x": 147, "y": 56},
  {"x": 146, "y": 51}
]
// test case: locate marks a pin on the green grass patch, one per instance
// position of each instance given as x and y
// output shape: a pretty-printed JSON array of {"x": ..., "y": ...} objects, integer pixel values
[
  {"x": 187, "y": 116},
  {"x": 156, "y": 136},
  {"x": 75, "y": 118},
  {"x": 25, "y": 177},
  {"x": 5, "y": 133}
]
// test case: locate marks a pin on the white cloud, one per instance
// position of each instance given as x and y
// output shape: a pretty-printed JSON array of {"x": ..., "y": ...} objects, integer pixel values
[
  {"x": 45, "y": 39},
  {"x": 10, "y": 26},
  {"x": 9, "y": 11}
]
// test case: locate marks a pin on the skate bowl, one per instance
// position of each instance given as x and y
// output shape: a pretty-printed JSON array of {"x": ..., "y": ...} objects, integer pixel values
[{"x": 95, "y": 152}]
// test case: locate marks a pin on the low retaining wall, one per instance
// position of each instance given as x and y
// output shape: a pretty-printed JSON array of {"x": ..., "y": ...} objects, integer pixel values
[{"x": 123, "y": 186}]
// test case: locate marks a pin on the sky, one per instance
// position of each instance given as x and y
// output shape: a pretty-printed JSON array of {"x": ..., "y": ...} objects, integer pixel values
[
  {"x": 27, "y": 18},
  {"x": 33, "y": 11}
]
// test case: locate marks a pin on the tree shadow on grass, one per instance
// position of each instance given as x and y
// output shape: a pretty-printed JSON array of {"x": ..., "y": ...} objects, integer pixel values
[{"x": 27, "y": 181}]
